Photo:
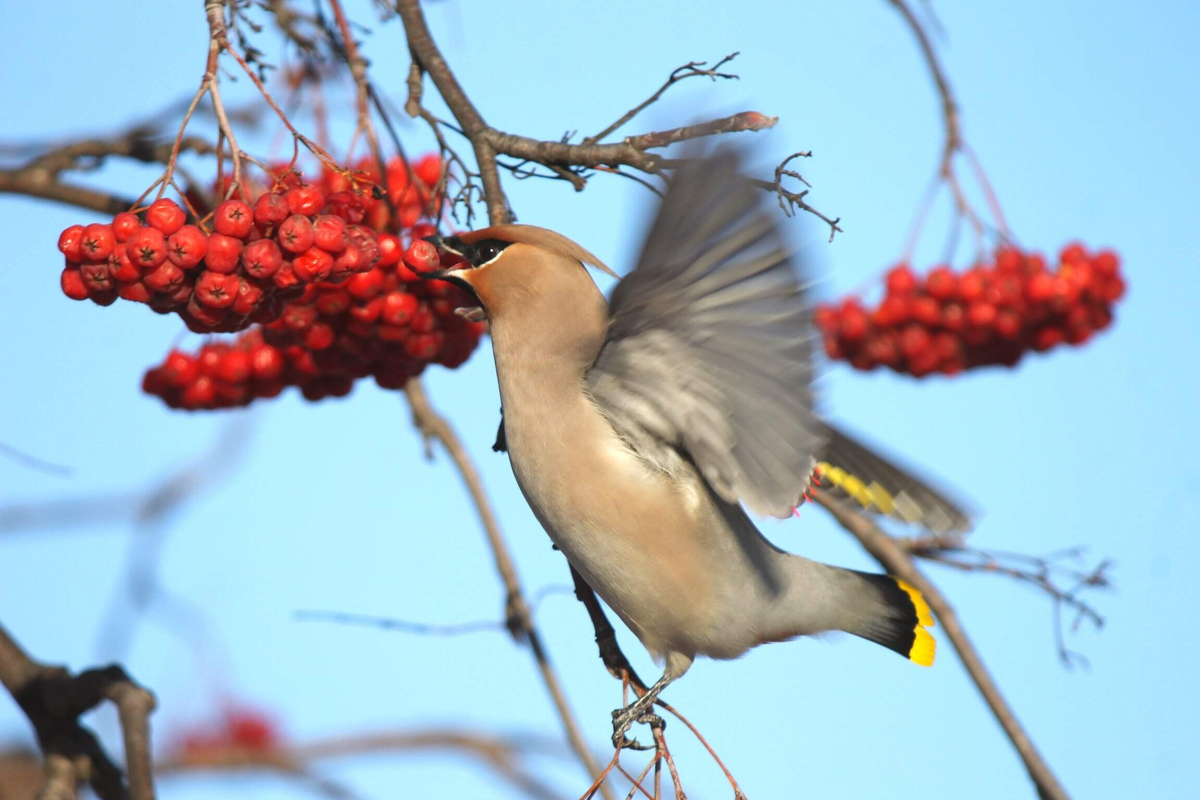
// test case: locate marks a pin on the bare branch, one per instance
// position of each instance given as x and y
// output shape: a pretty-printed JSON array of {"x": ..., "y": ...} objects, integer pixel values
[
  {"x": 53, "y": 700},
  {"x": 1045, "y": 573},
  {"x": 433, "y": 426},
  {"x": 688, "y": 70},
  {"x": 502, "y": 754},
  {"x": 893, "y": 558}
]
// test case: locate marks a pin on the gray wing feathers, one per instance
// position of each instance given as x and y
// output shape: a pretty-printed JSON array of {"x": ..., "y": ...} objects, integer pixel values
[{"x": 709, "y": 348}]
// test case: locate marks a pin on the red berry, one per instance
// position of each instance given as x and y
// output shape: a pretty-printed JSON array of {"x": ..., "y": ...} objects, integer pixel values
[
  {"x": 1008, "y": 259},
  {"x": 233, "y": 218},
  {"x": 981, "y": 314},
  {"x": 424, "y": 346},
  {"x": 262, "y": 258},
  {"x": 350, "y": 262},
  {"x": 70, "y": 241},
  {"x": 1047, "y": 337},
  {"x": 147, "y": 247},
  {"x": 882, "y": 349},
  {"x": 346, "y": 206},
  {"x": 1008, "y": 324},
  {"x": 853, "y": 323},
  {"x": 1114, "y": 289},
  {"x": 249, "y": 297},
  {"x": 296, "y": 234},
  {"x": 234, "y": 367},
  {"x": 200, "y": 394},
  {"x": 1106, "y": 263},
  {"x": 204, "y": 315},
  {"x": 97, "y": 241},
  {"x": 166, "y": 216},
  {"x": 901, "y": 280},
  {"x": 429, "y": 169},
  {"x": 333, "y": 302},
  {"x": 895, "y": 310},
  {"x": 266, "y": 362},
  {"x": 285, "y": 278},
  {"x": 1040, "y": 288},
  {"x": 409, "y": 214},
  {"x": 121, "y": 267},
  {"x": 179, "y": 369},
  {"x": 306, "y": 200},
  {"x": 971, "y": 286},
  {"x": 134, "y": 291},
  {"x": 298, "y": 318},
  {"x": 422, "y": 257},
  {"x": 1072, "y": 253},
  {"x": 926, "y": 311},
  {"x": 364, "y": 239},
  {"x": 319, "y": 336},
  {"x": 270, "y": 210},
  {"x": 914, "y": 341},
  {"x": 942, "y": 283},
  {"x": 187, "y": 246},
  {"x": 390, "y": 249},
  {"x": 314, "y": 264},
  {"x": 329, "y": 233},
  {"x": 953, "y": 317},
  {"x": 215, "y": 289},
  {"x": 164, "y": 279},
  {"x": 125, "y": 225},
  {"x": 369, "y": 311},
  {"x": 72, "y": 282},
  {"x": 365, "y": 285},
  {"x": 398, "y": 308},
  {"x": 947, "y": 346},
  {"x": 223, "y": 253}
]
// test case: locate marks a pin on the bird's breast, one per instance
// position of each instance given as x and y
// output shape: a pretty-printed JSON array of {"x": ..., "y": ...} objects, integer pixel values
[{"x": 630, "y": 530}]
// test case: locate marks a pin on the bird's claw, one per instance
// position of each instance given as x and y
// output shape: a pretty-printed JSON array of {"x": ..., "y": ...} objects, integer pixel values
[{"x": 623, "y": 720}]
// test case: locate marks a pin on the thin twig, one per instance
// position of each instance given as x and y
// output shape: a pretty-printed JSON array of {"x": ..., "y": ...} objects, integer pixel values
[
  {"x": 434, "y": 426},
  {"x": 896, "y": 561},
  {"x": 688, "y": 70}
]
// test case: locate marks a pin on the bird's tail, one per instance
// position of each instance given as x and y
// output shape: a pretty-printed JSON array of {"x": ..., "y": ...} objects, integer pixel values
[
  {"x": 880, "y": 608},
  {"x": 894, "y": 614}
]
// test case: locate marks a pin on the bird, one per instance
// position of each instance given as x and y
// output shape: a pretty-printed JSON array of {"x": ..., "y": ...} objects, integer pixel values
[{"x": 644, "y": 430}]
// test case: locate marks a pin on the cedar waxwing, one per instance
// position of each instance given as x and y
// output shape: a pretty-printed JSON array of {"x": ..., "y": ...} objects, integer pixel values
[{"x": 638, "y": 428}]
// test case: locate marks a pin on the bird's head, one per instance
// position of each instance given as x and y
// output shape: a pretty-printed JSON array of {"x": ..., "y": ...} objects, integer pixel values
[{"x": 522, "y": 274}]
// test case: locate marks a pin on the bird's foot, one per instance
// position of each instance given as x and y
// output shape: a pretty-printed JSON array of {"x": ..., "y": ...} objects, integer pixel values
[{"x": 624, "y": 719}]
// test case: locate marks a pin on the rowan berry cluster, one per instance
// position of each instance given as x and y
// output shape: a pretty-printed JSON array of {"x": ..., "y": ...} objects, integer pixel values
[
  {"x": 385, "y": 323},
  {"x": 241, "y": 272},
  {"x": 989, "y": 315}
]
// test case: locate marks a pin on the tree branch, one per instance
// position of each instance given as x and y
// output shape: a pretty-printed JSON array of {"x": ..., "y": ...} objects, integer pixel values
[
  {"x": 434, "y": 426},
  {"x": 488, "y": 142},
  {"x": 53, "y": 700},
  {"x": 893, "y": 558}
]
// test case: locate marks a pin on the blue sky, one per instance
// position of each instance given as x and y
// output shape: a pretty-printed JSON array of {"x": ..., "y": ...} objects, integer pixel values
[{"x": 1085, "y": 115}]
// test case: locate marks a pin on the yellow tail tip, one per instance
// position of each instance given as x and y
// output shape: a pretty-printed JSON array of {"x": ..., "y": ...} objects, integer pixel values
[
  {"x": 924, "y": 615},
  {"x": 924, "y": 648}
]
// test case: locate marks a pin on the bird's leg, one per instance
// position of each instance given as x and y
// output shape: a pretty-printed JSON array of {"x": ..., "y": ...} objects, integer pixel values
[{"x": 638, "y": 711}]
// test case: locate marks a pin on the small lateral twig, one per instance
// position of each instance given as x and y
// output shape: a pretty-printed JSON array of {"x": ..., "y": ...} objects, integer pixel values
[{"x": 893, "y": 558}]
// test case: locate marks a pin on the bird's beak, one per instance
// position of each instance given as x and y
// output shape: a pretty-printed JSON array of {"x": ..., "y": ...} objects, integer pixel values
[
  {"x": 451, "y": 274},
  {"x": 455, "y": 275}
]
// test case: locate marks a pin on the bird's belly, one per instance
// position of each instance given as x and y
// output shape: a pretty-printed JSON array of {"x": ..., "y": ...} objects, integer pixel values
[{"x": 630, "y": 535}]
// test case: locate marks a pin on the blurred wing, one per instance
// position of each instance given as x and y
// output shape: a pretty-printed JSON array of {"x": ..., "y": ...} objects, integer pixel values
[
  {"x": 852, "y": 470},
  {"x": 708, "y": 349}
]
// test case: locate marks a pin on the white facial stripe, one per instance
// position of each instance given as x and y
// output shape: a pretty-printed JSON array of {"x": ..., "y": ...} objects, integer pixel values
[{"x": 492, "y": 259}]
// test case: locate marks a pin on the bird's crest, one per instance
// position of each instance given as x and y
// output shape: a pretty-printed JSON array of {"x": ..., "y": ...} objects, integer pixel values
[{"x": 538, "y": 237}]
